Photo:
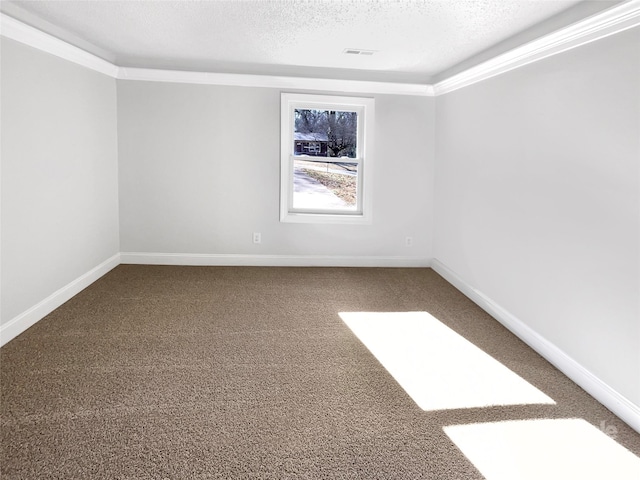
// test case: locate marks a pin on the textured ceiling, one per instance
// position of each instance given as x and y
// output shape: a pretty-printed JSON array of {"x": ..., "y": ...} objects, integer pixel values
[{"x": 413, "y": 40}]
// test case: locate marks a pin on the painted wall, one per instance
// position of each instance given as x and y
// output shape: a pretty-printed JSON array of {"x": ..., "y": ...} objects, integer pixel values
[
  {"x": 199, "y": 172},
  {"x": 537, "y": 200},
  {"x": 59, "y": 174}
]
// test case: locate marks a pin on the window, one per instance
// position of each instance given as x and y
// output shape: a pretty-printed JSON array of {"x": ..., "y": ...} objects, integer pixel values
[{"x": 326, "y": 158}]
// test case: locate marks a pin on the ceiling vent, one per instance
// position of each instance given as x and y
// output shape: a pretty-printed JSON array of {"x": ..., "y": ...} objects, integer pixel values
[{"x": 357, "y": 51}]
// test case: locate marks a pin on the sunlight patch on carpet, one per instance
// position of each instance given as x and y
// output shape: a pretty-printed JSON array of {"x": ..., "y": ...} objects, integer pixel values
[
  {"x": 548, "y": 449},
  {"x": 438, "y": 368}
]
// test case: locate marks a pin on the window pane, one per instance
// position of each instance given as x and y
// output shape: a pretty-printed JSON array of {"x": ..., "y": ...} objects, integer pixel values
[
  {"x": 325, "y": 133},
  {"x": 319, "y": 185}
]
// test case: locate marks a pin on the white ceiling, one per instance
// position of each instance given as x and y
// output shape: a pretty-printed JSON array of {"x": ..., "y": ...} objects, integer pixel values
[{"x": 413, "y": 40}]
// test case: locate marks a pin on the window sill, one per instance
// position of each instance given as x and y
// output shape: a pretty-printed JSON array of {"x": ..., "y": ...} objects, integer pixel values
[{"x": 325, "y": 218}]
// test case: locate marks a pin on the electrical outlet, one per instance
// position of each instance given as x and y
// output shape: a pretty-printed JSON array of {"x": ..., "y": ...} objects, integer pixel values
[
  {"x": 257, "y": 237},
  {"x": 408, "y": 242}
]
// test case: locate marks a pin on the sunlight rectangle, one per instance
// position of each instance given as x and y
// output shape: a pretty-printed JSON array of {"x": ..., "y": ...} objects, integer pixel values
[
  {"x": 438, "y": 368},
  {"x": 544, "y": 449}
]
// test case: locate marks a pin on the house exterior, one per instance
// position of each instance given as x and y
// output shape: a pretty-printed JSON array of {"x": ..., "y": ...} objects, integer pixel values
[{"x": 313, "y": 144}]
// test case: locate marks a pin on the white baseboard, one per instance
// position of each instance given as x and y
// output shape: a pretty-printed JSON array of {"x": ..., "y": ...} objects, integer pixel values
[
  {"x": 202, "y": 259},
  {"x": 26, "y": 319},
  {"x": 610, "y": 398}
]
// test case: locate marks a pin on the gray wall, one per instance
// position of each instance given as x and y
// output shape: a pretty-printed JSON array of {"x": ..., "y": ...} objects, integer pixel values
[
  {"x": 537, "y": 200},
  {"x": 59, "y": 174},
  {"x": 199, "y": 172}
]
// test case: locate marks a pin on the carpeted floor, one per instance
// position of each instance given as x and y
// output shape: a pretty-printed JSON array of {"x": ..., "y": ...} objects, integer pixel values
[{"x": 248, "y": 372}]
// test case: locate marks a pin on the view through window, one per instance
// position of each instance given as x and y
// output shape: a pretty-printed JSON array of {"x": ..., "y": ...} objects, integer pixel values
[
  {"x": 323, "y": 158},
  {"x": 325, "y": 141}
]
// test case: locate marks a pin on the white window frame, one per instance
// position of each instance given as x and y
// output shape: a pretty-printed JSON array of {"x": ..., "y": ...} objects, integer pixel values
[{"x": 365, "y": 107}]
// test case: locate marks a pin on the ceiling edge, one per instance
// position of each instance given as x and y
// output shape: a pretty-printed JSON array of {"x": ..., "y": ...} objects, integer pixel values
[
  {"x": 272, "y": 81},
  {"x": 600, "y": 25},
  {"x": 23, "y": 33}
]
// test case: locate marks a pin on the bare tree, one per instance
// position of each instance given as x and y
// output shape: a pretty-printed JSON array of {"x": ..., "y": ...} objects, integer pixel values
[
  {"x": 339, "y": 128},
  {"x": 311, "y": 121},
  {"x": 343, "y": 132}
]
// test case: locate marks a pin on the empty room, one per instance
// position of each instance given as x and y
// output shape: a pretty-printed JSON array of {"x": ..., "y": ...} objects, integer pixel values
[{"x": 320, "y": 239}]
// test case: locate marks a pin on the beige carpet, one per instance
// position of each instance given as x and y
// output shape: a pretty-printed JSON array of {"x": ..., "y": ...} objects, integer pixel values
[{"x": 227, "y": 372}]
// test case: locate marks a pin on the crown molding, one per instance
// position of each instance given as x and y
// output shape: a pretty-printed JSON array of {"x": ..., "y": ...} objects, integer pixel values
[
  {"x": 23, "y": 33},
  {"x": 269, "y": 81},
  {"x": 614, "y": 20},
  {"x": 611, "y": 21},
  {"x": 20, "y": 32}
]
